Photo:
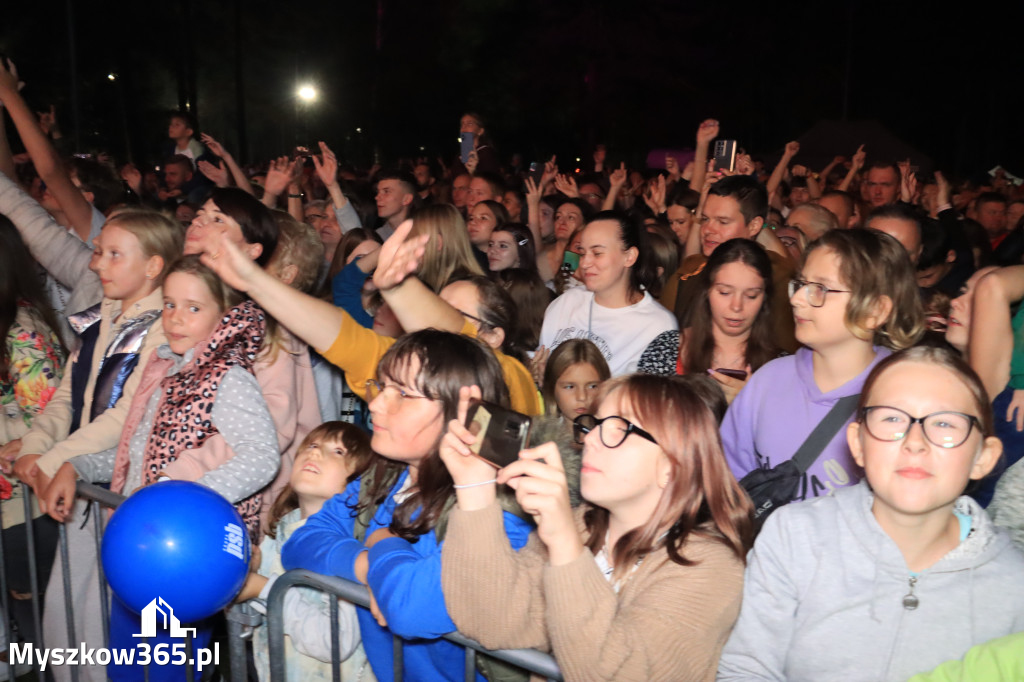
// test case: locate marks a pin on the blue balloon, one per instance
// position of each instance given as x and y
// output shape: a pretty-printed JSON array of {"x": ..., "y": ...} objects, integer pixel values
[{"x": 178, "y": 542}]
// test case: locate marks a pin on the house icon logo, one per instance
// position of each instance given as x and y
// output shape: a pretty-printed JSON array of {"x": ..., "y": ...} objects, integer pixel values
[{"x": 168, "y": 620}]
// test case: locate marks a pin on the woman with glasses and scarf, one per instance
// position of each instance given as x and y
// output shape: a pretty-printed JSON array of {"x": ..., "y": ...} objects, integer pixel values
[{"x": 641, "y": 581}]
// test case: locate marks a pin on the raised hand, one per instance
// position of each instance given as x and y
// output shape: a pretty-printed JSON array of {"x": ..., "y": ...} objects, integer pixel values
[
  {"x": 655, "y": 196},
  {"x": 326, "y": 165},
  {"x": 799, "y": 171},
  {"x": 908, "y": 183},
  {"x": 215, "y": 147},
  {"x": 707, "y": 131},
  {"x": 218, "y": 174},
  {"x": 943, "y": 195},
  {"x": 858, "y": 158},
  {"x": 550, "y": 172},
  {"x": 533, "y": 193},
  {"x": 566, "y": 184},
  {"x": 538, "y": 478},
  {"x": 618, "y": 179},
  {"x": 399, "y": 257},
  {"x": 279, "y": 175},
  {"x": 472, "y": 162},
  {"x": 9, "y": 83},
  {"x": 233, "y": 266},
  {"x": 466, "y": 468},
  {"x": 744, "y": 164},
  {"x": 672, "y": 166}
]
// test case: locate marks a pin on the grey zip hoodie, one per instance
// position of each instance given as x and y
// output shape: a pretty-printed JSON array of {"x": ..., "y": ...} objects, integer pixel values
[{"x": 825, "y": 588}]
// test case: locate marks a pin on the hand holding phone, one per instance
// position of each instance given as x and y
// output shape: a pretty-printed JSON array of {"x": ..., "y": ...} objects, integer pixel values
[{"x": 725, "y": 155}]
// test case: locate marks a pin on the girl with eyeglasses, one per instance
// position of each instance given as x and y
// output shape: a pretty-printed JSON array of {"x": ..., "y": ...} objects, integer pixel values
[
  {"x": 854, "y": 301},
  {"x": 642, "y": 581},
  {"x": 893, "y": 576}
]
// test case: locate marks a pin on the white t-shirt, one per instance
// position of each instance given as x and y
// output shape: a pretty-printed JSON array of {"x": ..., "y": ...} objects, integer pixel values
[{"x": 621, "y": 334}]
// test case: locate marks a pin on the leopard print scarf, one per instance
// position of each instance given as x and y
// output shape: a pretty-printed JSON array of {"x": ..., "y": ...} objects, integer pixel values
[{"x": 184, "y": 415}]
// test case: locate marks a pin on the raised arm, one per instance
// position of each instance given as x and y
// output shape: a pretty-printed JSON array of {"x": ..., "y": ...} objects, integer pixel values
[
  {"x": 707, "y": 131},
  {"x": 44, "y": 156},
  {"x": 779, "y": 174},
  {"x": 237, "y": 174},
  {"x": 990, "y": 347},
  {"x": 856, "y": 163}
]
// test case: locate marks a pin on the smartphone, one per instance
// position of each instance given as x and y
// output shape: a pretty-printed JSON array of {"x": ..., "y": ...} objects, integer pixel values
[
  {"x": 536, "y": 172},
  {"x": 740, "y": 374},
  {"x": 467, "y": 145},
  {"x": 571, "y": 259},
  {"x": 725, "y": 155},
  {"x": 505, "y": 432}
]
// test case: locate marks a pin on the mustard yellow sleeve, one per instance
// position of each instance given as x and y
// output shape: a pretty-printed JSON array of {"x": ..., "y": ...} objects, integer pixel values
[
  {"x": 523, "y": 394},
  {"x": 357, "y": 351}
]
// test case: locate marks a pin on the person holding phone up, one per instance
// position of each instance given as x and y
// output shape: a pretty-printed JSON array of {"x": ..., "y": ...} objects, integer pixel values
[{"x": 643, "y": 580}]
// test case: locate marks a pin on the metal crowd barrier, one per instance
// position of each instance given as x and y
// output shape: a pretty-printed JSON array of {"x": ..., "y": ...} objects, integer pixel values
[
  {"x": 240, "y": 618},
  {"x": 529, "y": 659}
]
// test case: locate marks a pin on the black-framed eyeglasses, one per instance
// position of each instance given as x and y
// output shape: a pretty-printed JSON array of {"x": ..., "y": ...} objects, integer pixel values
[
  {"x": 618, "y": 429},
  {"x": 944, "y": 429},
  {"x": 815, "y": 291}
]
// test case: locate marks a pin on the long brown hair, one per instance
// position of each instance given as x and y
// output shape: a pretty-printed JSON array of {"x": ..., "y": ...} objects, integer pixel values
[
  {"x": 448, "y": 253},
  {"x": 447, "y": 363},
  {"x": 702, "y": 497},
  {"x": 357, "y": 450},
  {"x": 700, "y": 341}
]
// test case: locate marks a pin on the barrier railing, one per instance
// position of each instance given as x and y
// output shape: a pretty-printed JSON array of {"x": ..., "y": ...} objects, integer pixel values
[
  {"x": 529, "y": 659},
  {"x": 240, "y": 618}
]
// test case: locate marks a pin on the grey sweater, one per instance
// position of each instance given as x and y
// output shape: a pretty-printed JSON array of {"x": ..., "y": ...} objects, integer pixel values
[
  {"x": 1007, "y": 508},
  {"x": 824, "y": 588}
]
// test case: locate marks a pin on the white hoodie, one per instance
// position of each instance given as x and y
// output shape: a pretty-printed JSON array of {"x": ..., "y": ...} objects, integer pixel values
[{"x": 824, "y": 592}]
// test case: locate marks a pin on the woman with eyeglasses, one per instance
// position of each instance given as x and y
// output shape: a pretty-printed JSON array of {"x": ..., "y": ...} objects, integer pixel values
[
  {"x": 386, "y": 530},
  {"x": 854, "y": 301},
  {"x": 893, "y": 576},
  {"x": 643, "y": 580}
]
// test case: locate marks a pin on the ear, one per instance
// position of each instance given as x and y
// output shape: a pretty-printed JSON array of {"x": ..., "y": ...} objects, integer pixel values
[
  {"x": 754, "y": 226},
  {"x": 663, "y": 471},
  {"x": 853, "y": 440},
  {"x": 154, "y": 266},
  {"x": 493, "y": 337},
  {"x": 881, "y": 309},
  {"x": 254, "y": 250},
  {"x": 288, "y": 273},
  {"x": 89, "y": 196},
  {"x": 951, "y": 256},
  {"x": 632, "y": 253},
  {"x": 407, "y": 199},
  {"x": 986, "y": 460}
]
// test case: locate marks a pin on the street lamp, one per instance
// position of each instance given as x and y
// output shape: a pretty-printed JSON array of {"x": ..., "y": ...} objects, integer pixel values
[{"x": 307, "y": 93}]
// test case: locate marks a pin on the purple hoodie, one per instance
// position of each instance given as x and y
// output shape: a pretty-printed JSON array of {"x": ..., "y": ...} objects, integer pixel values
[{"x": 776, "y": 411}]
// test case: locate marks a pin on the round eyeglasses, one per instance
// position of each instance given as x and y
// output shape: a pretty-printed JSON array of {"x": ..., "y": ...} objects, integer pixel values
[
  {"x": 613, "y": 430},
  {"x": 815, "y": 291},
  {"x": 944, "y": 429}
]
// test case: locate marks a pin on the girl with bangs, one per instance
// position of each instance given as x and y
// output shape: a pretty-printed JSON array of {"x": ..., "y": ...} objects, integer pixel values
[
  {"x": 643, "y": 580},
  {"x": 854, "y": 301}
]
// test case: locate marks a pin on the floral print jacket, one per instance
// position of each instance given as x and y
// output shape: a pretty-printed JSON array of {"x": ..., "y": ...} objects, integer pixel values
[{"x": 34, "y": 371}]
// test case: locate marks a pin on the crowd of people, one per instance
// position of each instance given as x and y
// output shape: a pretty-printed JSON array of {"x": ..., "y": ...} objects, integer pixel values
[{"x": 776, "y": 414}]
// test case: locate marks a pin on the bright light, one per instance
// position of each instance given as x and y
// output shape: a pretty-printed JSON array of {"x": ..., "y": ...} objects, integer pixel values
[
  {"x": 359, "y": 130},
  {"x": 111, "y": 77},
  {"x": 307, "y": 93}
]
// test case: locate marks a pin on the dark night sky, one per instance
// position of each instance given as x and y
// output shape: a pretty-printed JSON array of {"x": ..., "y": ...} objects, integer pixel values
[{"x": 548, "y": 76}]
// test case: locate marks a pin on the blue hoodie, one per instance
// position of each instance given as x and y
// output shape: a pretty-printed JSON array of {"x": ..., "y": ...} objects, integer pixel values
[
  {"x": 824, "y": 592},
  {"x": 405, "y": 579}
]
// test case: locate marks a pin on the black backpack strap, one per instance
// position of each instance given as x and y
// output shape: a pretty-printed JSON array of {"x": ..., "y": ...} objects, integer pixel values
[{"x": 823, "y": 433}]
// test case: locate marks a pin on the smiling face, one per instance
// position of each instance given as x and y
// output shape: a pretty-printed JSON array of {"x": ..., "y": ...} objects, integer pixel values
[
  {"x": 913, "y": 476},
  {"x": 321, "y": 469},
  {"x": 735, "y": 297},
  {"x": 480, "y": 224},
  {"x": 125, "y": 272},
  {"x": 628, "y": 479},
  {"x": 721, "y": 221},
  {"x": 502, "y": 252},
  {"x": 190, "y": 311},
  {"x": 605, "y": 262},
  {"x": 576, "y": 389}
]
